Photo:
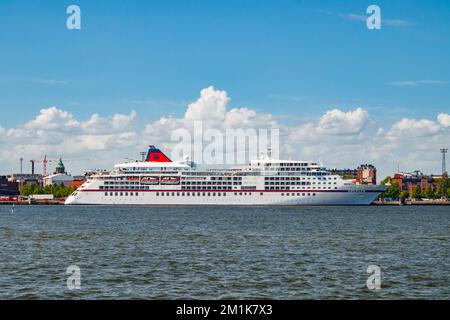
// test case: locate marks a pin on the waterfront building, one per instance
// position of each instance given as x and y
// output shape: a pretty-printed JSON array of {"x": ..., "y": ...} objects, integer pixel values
[
  {"x": 408, "y": 181},
  {"x": 8, "y": 188},
  {"x": 364, "y": 174},
  {"x": 23, "y": 179},
  {"x": 59, "y": 176}
]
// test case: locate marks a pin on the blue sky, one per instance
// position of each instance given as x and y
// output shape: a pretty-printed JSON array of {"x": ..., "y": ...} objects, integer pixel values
[
  {"x": 295, "y": 59},
  {"x": 291, "y": 58}
]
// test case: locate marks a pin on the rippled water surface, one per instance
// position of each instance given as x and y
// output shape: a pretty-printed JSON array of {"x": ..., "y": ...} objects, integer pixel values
[{"x": 218, "y": 253}]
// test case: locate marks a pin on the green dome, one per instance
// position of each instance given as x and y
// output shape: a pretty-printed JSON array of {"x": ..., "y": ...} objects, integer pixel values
[{"x": 60, "y": 167}]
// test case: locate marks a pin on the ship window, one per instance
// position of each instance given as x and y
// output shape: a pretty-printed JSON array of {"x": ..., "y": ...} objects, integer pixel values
[
  {"x": 282, "y": 194},
  {"x": 261, "y": 194},
  {"x": 116, "y": 194},
  {"x": 157, "y": 194},
  {"x": 162, "y": 194},
  {"x": 106, "y": 193},
  {"x": 224, "y": 194},
  {"x": 182, "y": 194},
  {"x": 110, "y": 193}
]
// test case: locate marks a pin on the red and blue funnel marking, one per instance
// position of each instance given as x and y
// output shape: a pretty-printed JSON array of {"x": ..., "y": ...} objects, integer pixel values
[{"x": 155, "y": 155}]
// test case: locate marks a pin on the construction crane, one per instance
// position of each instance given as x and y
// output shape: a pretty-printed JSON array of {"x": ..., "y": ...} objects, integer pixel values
[{"x": 46, "y": 161}]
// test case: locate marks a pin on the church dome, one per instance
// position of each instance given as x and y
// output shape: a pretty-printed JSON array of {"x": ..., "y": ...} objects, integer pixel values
[{"x": 60, "y": 167}]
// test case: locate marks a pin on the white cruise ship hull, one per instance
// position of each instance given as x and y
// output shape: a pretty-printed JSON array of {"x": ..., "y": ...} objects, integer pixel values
[
  {"x": 219, "y": 198},
  {"x": 159, "y": 181}
]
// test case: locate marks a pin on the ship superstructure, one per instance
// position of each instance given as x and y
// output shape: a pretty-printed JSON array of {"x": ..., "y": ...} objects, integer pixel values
[{"x": 159, "y": 181}]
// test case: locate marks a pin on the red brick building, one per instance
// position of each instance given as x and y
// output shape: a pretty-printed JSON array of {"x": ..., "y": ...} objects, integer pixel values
[
  {"x": 407, "y": 181},
  {"x": 367, "y": 174}
]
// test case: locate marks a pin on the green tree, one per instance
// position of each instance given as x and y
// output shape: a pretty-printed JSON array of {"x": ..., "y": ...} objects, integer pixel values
[
  {"x": 30, "y": 189},
  {"x": 393, "y": 191},
  {"x": 386, "y": 180},
  {"x": 441, "y": 186},
  {"x": 428, "y": 193},
  {"x": 404, "y": 195},
  {"x": 417, "y": 193},
  {"x": 448, "y": 193},
  {"x": 58, "y": 191}
]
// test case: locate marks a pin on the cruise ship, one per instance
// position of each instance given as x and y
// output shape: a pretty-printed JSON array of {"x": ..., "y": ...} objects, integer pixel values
[{"x": 157, "y": 180}]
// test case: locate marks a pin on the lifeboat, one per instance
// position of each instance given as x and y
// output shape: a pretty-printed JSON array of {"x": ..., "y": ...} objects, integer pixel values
[
  {"x": 170, "y": 180},
  {"x": 150, "y": 180}
]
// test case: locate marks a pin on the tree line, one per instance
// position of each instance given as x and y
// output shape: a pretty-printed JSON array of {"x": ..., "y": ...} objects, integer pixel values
[
  {"x": 442, "y": 189},
  {"x": 57, "y": 190}
]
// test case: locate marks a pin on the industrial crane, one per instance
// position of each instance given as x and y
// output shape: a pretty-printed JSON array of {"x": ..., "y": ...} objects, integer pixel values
[{"x": 46, "y": 161}]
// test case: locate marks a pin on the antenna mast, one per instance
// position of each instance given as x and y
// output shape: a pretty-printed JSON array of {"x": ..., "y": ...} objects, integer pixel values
[{"x": 443, "y": 151}]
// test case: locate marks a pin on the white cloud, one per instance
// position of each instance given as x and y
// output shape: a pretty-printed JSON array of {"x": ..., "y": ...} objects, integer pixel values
[
  {"x": 411, "y": 128},
  {"x": 53, "y": 119},
  {"x": 387, "y": 22},
  {"x": 338, "y": 138},
  {"x": 117, "y": 123},
  {"x": 209, "y": 108},
  {"x": 347, "y": 125},
  {"x": 444, "y": 120},
  {"x": 414, "y": 83},
  {"x": 340, "y": 122},
  {"x": 56, "y": 132}
]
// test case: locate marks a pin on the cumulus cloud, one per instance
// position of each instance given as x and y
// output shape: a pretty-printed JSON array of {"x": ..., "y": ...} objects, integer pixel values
[
  {"x": 53, "y": 119},
  {"x": 212, "y": 110},
  {"x": 346, "y": 124},
  {"x": 339, "y": 138},
  {"x": 411, "y": 128},
  {"x": 56, "y": 132},
  {"x": 117, "y": 123},
  {"x": 339, "y": 122},
  {"x": 444, "y": 120}
]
